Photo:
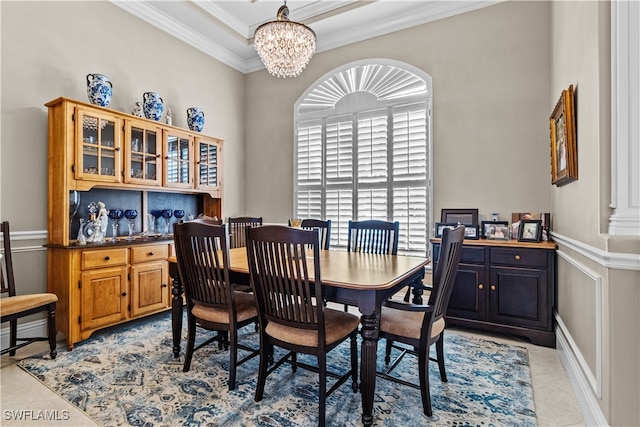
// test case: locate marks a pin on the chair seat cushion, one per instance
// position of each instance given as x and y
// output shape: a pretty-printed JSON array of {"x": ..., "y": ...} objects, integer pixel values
[
  {"x": 19, "y": 303},
  {"x": 338, "y": 324},
  {"x": 245, "y": 309},
  {"x": 407, "y": 323}
]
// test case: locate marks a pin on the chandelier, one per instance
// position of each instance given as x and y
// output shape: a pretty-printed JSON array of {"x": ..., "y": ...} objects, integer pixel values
[{"x": 284, "y": 46}]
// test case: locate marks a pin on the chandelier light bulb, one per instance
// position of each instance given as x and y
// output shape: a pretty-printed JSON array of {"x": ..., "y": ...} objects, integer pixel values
[{"x": 285, "y": 47}]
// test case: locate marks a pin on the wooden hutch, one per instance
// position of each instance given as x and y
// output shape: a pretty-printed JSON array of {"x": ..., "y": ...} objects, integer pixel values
[{"x": 128, "y": 162}]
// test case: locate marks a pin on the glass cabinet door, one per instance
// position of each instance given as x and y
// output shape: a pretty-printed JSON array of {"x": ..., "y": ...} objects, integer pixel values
[
  {"x": 207, "y": 163},
  {"x": 178, "y": 168},
  {"x": 98, "y": 146},
  {"x": 143, "y": 159}
]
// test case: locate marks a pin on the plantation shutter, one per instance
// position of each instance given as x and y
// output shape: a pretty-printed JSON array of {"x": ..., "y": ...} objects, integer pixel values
[
  {"x": 362, "y": 152},
  {"x": 410, "y": 177}
]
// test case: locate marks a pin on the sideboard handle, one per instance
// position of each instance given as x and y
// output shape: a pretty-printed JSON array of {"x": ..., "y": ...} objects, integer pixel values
[
  {"x": 480, "y": 286},
  {"x": 150, "y": 253},
  {"x": 517, "y": 257},
  {"x": 493, "y": 287},
  {"x": 124, "y": 294},
  {"x": 107, "y": 258}
]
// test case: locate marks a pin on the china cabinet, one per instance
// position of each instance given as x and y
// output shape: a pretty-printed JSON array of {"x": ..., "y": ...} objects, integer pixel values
[
  {"x": 505, "y": 286},
  {"x": 142, "y": 164}
]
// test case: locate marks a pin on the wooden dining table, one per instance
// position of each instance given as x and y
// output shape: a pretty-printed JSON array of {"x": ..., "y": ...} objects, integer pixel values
[{"x": 357, "y": 279}]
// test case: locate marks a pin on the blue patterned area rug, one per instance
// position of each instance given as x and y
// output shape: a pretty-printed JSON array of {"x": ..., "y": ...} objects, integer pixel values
[{"x": 128, "y": 376}]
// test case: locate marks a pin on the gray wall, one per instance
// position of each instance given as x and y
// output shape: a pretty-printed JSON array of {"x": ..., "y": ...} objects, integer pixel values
[
  {"x": 490, "y": 72},
  {"x": 497, "y": 73},
  {"x": 597, "y": 301}
]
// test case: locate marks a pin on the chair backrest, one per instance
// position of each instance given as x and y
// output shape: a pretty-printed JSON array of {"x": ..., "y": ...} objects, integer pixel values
[
  {"x": 323, "y": 227},
  {"x": 285, "y": 276},
  {"x": 238, "y": 229},
  {"x": 446, "y": 270},
  {"x": 202, "y": 253},
  {"x": 373, "y": 236},
  {"x": 7, "y": 283}
]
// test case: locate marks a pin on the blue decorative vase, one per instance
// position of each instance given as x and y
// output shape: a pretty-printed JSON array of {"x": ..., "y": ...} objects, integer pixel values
[
  {"x": 195, "y": 119},
  {"x": 99, "y": 89},
  {"x": 152, "y": 106}
]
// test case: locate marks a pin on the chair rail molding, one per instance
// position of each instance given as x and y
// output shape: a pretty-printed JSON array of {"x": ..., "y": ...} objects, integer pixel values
[
  {"x": 615, "y": 260},
  {"x": 625, "y": 119}
]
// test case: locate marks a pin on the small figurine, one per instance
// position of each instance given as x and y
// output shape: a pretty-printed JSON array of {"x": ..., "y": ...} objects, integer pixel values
[
  {"x": 137, "y": 110},
  {"x": 169, "y": 120},
  {"x": 103, "y": 218},
  {"x": 82, "y": 239}
]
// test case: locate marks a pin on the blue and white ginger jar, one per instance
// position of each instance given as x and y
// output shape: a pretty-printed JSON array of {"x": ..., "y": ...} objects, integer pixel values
[
  {"x": 152, "y": 106},
  {"x": 195, "y": 119},
  {"x": 99, "y": 89}
]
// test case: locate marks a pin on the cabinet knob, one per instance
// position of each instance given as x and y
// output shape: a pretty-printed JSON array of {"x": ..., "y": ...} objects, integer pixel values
[
  {"x": 124, "y": 294},
  {"x": 150, "y": 253},
  {"x": 158, "y": 156},
  {"x": 517, "y": 257},
  {"x": 480, "y": 286},
  {"x": 493, "y": 287},
  {"x": 107, "y": 258},
  {"x": 164, "y": 285}
]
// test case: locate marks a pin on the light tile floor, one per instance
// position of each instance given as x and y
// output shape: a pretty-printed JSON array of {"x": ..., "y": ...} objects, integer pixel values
[{"x": 22, "y": 395}]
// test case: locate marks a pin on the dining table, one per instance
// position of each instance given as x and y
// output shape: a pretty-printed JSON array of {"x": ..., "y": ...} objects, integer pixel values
[{"x": 358, "y": 279}]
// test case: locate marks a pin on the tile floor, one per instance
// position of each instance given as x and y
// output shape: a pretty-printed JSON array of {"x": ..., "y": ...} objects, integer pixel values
[{"x": 21, "y": 394}]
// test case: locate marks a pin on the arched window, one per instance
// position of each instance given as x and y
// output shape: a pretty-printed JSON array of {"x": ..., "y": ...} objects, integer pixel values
[{"x": 363, "y": 138}]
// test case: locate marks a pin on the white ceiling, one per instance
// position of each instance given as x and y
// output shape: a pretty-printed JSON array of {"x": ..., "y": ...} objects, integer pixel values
[{"x": 224, "y": 29}]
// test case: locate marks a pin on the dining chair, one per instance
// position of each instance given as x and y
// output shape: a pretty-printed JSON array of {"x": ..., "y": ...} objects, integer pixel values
[
  {"x": 14, "y": 307},
  {"x": 323, "y": 227},
  {"x": 284, "y": 264},
  {"x": 202, "y": 254},
  {"x": 373, "y": 236},
  {"x": 419, "y": 326},
  {"x": 238, "y": 229}
]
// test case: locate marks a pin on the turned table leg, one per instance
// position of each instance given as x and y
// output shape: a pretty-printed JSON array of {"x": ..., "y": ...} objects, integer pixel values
[{"x": 176, "y": 313}]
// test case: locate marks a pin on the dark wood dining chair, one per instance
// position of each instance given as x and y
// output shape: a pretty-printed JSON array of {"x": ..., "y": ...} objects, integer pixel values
[
  {"x": 419, "y": 326},
  {"x": 323, "y": 227},
  {"x": 373, "y": 236},
  {"x": 238, "y": 229},
  {"x": 285, "y": 276},
  {"x": 202, "y": 254},
  {"x": 14, "y": 307}
]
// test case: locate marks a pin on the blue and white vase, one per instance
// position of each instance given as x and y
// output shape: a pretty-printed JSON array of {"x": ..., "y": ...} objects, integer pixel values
[
  {"x": 152, "y": 106},
  {"x": 99, "y": 89},
  {"x": 195, "y": 119}
]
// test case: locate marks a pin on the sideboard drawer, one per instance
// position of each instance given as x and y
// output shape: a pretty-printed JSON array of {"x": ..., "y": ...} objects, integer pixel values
[
  {"x": 519, "y": 257},
  {"x": 149, "y": 253},
  {"x": 103, "y": 258},
  {"x": 472, "y": 255}
]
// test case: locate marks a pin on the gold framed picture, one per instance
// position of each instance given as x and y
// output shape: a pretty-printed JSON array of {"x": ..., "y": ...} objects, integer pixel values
[{"x": 564, "y": 153}]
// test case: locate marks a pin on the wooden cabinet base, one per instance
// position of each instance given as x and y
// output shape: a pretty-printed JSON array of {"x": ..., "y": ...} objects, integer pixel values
[
  {"x": 505, "y": 287},
  {"x": 543, "y": 338}
]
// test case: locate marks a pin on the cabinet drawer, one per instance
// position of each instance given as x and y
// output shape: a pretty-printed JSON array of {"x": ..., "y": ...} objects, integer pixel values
[
  {"x": 149, "y": 253},
  {"x": 472, "y": 255},
  {"x": 519, "y": 257},
  {"x": 103, "y": 258}
]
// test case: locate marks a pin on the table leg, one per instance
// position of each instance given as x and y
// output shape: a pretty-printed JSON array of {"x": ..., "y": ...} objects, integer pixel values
[
  {"x": 369, "y": 349},
  {"x": 176, "y": 314}
]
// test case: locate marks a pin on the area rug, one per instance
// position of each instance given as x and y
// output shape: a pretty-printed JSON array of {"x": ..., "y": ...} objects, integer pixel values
[{"x": 128, "y": 376}]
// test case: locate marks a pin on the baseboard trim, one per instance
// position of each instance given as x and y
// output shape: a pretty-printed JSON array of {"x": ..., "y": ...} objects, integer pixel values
[{"x": 591, "y": 411}]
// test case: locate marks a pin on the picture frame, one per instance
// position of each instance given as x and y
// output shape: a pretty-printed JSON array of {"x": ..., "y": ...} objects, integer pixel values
[
  {"x": 471, "y": 232},
  {"x": 545, "y": 217},
  {"x": 462, "y": 216},
  {"x": 442, "y": 225},
  {"x": 530, "y": 230},
  {"x": 495, "y": 230},
  {"x": 564, "y": 161}
]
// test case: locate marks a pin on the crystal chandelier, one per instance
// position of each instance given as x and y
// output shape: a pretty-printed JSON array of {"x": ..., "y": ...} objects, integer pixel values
[{"x": 284, "y": 46}]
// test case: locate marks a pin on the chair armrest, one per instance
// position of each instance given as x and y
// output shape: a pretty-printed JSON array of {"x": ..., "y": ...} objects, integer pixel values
[{"x": 406, "y": 306}]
